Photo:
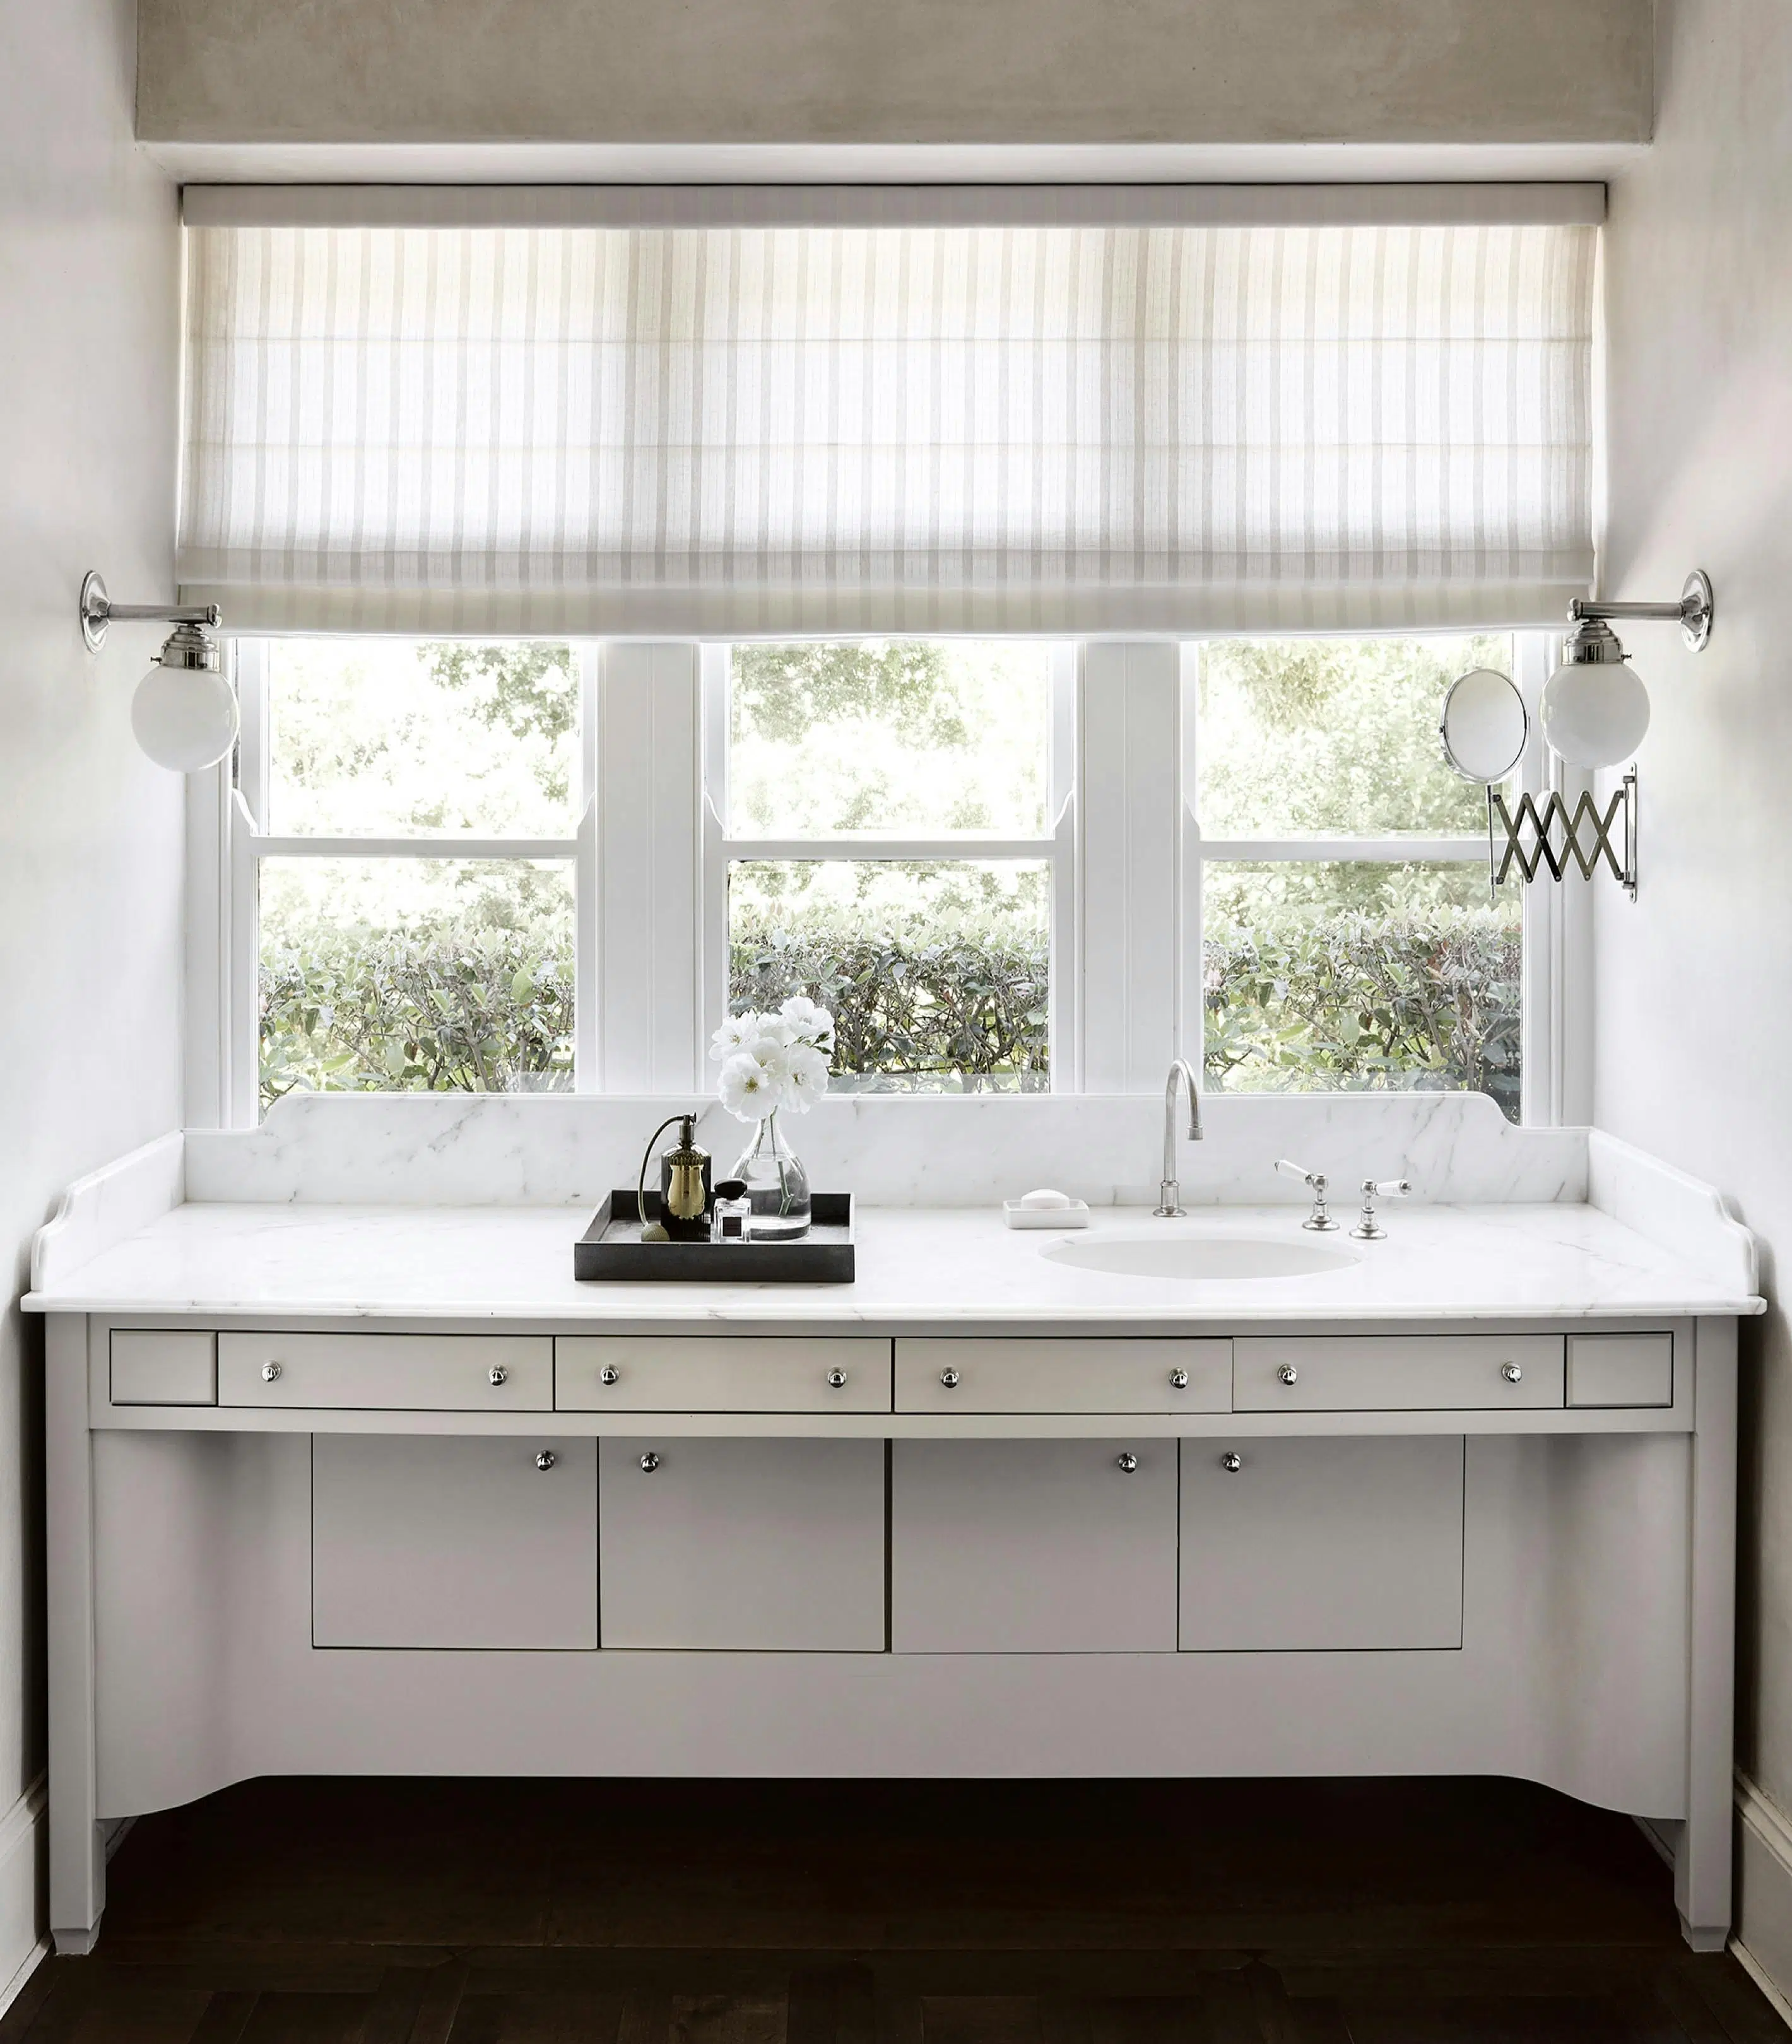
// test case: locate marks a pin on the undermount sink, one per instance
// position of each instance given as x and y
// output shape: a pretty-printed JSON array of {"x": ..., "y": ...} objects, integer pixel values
[{"x": 1198, "y": 1256}]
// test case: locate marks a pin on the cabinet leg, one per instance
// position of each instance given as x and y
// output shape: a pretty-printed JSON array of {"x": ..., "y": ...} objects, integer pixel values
[
  {"x": 77, "y": 1843},
  {"x": 1703, "y": 1866}
]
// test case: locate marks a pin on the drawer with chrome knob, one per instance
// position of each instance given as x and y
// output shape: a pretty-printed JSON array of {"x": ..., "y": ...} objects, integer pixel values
[
  {"x": 1512, "y": 1372},
  {"x": 1288, "y": 1374},
  {"x": 836, "y": 1379},
  {"x": 950, "y": 1379},
  {"x": 1060, "y": 1374},
  {"x": 271, "y": 1373},
  {"x": 498, "y": 1374},
  {"x": 387, "y": 1373},
  {"x": 1396, "y": 1372},
  {"x": 1232, "y": 1463},
  {"x": 650, "y": 1461},
  {"x": 546, "y": 1459},
  {"x": 1126, "y": 1462},
  {"x": 721, "y": 1373}
]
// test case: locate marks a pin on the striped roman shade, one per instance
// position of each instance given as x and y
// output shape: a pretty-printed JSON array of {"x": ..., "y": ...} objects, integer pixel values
[{"x": 738, "y": 427}]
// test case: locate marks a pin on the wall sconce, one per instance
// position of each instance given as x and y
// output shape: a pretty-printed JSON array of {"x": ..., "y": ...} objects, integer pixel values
[
  {"x": 1595, "y": 708},
  {"x": 184, "y": 713}
]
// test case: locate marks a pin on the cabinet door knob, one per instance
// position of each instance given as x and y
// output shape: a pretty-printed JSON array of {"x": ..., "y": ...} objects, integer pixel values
[
  {"x": 546, "y": 1459},
  {"x": 1511, "y": 1373},
  {"x": 1178, "y": 1380},
  {"x": 1289, "y": 1374},
  {"x": 270, "y": 1372},
  {"x": 1232, "y": 1463},
  {"x": 650, "y": 1461},
  {"x": 836, "y": 1378},
  {"x": 949, "y": 1378},
  {"x": 1126, "y": 1463},
  {"x": 610, "y": 1374},
  {"x": 498, "y": 1374}
]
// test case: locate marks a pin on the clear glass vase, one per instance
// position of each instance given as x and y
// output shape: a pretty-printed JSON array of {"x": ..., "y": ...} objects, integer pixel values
[{"x": 777, "y": 1185}]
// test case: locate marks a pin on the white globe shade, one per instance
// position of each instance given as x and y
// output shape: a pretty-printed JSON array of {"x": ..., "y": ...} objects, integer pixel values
[
  {"x": 185, "y": 718},
  {"x": 1595, "y": 715}
]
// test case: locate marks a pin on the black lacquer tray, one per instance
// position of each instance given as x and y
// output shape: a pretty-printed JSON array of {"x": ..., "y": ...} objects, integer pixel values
[{"x": 611, "y": 1249}]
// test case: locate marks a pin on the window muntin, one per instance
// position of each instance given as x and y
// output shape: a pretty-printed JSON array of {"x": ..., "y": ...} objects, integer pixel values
[
  {"x": 899, "y": 848},
  {"x": 1349, "y": 943}
]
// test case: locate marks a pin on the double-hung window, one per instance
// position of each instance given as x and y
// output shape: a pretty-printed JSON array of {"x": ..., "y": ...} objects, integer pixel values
[{"x": 889, "y": 830}]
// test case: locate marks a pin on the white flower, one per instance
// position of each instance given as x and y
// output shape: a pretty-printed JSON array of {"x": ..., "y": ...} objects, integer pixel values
[
  {"x": 732, "y": 1036},
  {"x": 770, "y": 1032},
  {"x": 806, "y": 1079},
  {"x": 748, "y": 1091},
  {"x": 805, "y": 1020}
]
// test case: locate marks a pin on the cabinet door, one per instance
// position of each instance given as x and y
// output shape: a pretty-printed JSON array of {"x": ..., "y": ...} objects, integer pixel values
[
  {"x": 1314, "y": 1544},
  {"x": 1033, "y": 1547},
  {"x": 742, "y": 1544},
  {"x": 451, "y": 1541}
]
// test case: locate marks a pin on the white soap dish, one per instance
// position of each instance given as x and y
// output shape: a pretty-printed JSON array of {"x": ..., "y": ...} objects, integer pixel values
[{"x": 1018, "y": 1214}]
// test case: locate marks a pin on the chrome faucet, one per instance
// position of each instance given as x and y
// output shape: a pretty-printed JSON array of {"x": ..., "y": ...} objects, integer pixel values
[{"x": 1169, "y": 1191}]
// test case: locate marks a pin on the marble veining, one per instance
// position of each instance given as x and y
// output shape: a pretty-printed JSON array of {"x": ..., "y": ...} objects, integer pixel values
[
  {"x": 1556, "y": 1259},
  {"x": 499, "y": 1150}
]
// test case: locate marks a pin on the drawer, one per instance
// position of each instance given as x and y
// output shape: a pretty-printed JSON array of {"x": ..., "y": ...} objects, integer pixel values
[
  {"x": 1397, "y": 1373},
  {"x": 1001, "y": 1375},
  {"x": 163, "y": 1367},
  {"x": 453, "y": 1542},
  {"x": 1311, "y": 1546},
  {"x": 389, "y": 1373},
  {"x": 1033, "y": 1547},
  {"x": 743, "y": 1545},
  {"x": 659, "y": 1373},
  {"x": 1619, "y": 1370}
]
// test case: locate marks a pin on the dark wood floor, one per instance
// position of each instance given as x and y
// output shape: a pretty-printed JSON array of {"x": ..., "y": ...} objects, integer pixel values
[{"x": 389, "y": 1912}]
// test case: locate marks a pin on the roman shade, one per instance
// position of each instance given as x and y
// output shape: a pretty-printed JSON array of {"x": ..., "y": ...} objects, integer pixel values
[{"x": 881, "y": 418}]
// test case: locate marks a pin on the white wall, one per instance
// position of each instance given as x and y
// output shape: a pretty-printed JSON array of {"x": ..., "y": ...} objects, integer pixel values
[
  {"x": 1694, "y": 982},
  {"x": 90, "y": 870}
]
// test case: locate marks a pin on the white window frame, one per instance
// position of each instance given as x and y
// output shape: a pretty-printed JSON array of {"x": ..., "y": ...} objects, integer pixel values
[
  {"x": 650, "y": 854},
  {"x": 1056, "y": 848}
]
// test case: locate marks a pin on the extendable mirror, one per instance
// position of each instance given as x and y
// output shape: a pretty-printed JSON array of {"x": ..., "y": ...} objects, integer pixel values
[{"x": 1484, "y": 726}]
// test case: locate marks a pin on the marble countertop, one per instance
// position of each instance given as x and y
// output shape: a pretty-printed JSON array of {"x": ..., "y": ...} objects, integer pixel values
[{"x": 917, "y": 1266}]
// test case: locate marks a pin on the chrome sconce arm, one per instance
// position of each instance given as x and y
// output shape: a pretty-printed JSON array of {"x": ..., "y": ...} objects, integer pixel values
[
  {"x": 1692, "y": 613},
  {"x": 98, "y": 611}
]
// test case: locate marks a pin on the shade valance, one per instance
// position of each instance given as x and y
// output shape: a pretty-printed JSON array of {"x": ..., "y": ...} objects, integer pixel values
[{"x": 729, "y": 429}]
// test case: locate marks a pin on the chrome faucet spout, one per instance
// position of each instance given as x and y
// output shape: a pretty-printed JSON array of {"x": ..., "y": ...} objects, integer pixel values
[{"x": 1169, "y": 1190}]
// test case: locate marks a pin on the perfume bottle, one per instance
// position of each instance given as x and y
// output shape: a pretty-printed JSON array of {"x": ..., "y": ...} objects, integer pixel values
[{"x": 684, "y": 1185}]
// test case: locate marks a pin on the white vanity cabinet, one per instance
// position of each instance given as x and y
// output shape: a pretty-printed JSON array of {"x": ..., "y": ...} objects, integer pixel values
[
  {"x": 453, "y": 1542},
  {"x": 1034, "y": 1546},
  {"x": 771, "y": 1546},
  {"x": 1293, "y": 1544}
]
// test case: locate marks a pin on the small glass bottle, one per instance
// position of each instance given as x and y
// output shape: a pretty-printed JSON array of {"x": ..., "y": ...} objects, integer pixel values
[{"x": 733, "y": 1212}]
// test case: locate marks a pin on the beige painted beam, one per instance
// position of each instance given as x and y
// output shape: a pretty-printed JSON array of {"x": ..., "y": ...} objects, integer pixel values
[{"x": 896, "y": 73}]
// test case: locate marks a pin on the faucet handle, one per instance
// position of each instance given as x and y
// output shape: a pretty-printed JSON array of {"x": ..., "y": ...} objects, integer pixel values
[
  {"x": 1367, "y": 1227},
  {"x": 1320, "y": 1220}
]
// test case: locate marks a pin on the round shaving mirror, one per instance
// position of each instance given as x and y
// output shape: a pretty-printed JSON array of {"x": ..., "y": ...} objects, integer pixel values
[{"x": 1484, "y": 726}]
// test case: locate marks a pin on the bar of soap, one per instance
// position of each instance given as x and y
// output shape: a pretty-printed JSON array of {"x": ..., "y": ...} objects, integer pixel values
[{"x": 1043, "y": 1197}]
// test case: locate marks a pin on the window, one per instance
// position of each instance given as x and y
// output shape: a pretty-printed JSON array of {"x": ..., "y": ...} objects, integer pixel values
[
  {"x": 892, "y": 839},
  {"x": 1348, "y": 941},
  {"x": 416, "y": 807}
]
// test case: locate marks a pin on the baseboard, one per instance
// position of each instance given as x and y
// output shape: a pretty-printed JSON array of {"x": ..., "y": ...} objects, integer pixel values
[
  {"x": 1762, "y": 1943},
  {"x": 24, "y": 1850}
]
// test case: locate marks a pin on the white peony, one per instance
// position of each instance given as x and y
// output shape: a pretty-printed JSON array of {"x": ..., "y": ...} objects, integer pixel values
[
  {"x": 733, "y": 1035},
  {"x": 806, "y": 1079},
  {"x": 806, "y": 1020},
  {"x": 748, "y": 1091}
]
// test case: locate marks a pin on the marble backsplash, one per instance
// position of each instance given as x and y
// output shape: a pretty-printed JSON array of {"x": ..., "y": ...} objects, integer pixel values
[{"x": 934, "y": 1151}]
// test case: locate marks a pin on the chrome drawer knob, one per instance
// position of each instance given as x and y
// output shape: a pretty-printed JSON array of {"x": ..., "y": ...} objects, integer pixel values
[
  {"x": 836, "y": 1379},
  {"x": 1289, "y": 1374},
  {"x": 270, "y": 1373},
  {"x": 1511, "y": 1373},
  {"x": 650, "y": 1461},
  {"x": 546, "y": 1459},
  {"x": 1178, "y": 1380},
  {"x": 949, "y": 1378},
  {"x": 498, "y": 1374},
  {"x": 610, "y": 1374},
  {"x": 1231, "y": 1463},
  {"x": 1126, "y": 1463}
]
